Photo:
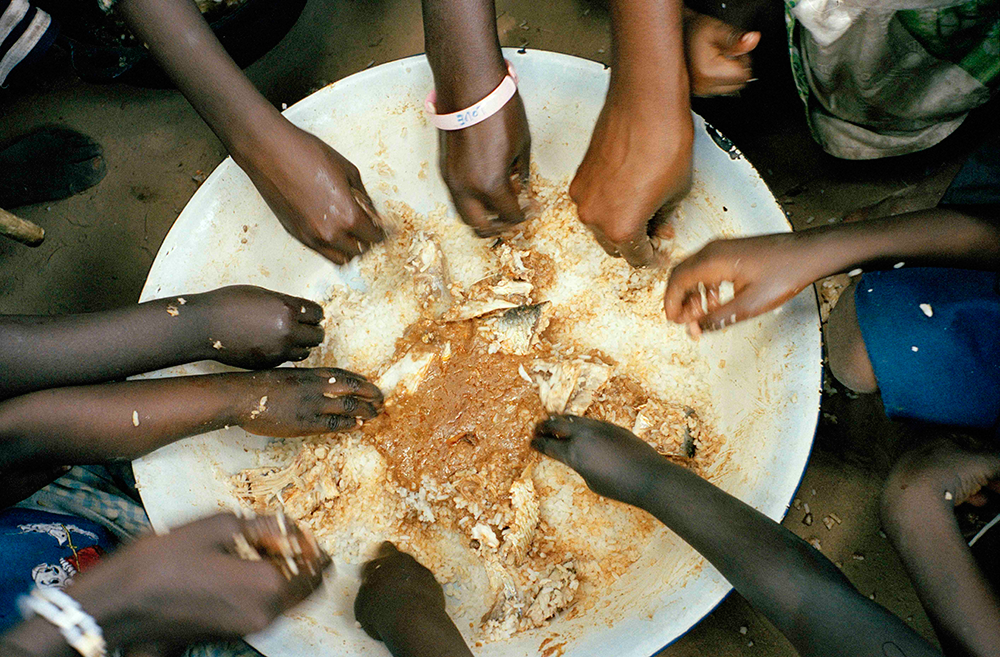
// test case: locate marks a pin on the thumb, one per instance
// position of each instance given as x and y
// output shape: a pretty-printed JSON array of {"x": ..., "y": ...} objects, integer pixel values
[
  {"x": 747, "y": 303},
  {"x": 503, "y": 200},
  {"x": 552, "y": 437},
  {"x": 741, "y": 43}
]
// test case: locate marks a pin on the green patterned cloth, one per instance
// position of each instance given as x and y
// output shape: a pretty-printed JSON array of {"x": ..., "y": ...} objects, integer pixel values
[{"x": 891, "y": 77}]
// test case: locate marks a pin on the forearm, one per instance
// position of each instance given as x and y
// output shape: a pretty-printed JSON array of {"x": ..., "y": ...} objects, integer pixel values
[
  {"x": 963, "y": 607},
  {"x": 460, "y": 38},
  {"x": 647, "y": 54},
  {"x": 35, "y": 638},
  {"x": 92, "y": 424},
  {"x": 184, "y": 45},
  {"x": 938, "y": 237},
  {"x": 46, "y": 352},
  {"x": 104, "y": 597},
  {"x": 804, "y": 595}
]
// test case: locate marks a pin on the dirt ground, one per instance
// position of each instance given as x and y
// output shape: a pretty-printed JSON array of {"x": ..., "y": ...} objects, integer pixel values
[{"x": 101, "y": 243}]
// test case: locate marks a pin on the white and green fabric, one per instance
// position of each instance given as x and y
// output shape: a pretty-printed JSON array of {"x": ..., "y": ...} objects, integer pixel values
[{"x": 891, "y": 77}]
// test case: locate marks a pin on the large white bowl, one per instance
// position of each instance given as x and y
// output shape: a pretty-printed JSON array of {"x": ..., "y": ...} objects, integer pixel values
[{"x": 767, "y": 395}]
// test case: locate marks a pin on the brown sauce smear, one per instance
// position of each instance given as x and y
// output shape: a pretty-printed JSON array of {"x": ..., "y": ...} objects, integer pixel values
[{"x": 473, "y": 411}]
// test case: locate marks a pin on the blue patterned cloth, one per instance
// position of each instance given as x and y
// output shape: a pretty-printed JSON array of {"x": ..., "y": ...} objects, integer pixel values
[
  {"x": 102, "y": 501},
  {"x": 47, "y": 550}
]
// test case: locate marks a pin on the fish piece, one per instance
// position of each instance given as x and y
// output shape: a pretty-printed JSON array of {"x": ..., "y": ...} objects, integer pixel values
[
  {"x": 569, "y": 386},
  {"x": 555, "y": 593},
  {"x": 405, "y": 375},
  {"x": 506, "y": 287},
  {"x": 473, "y": 308},
  {"x": 504, "y": 617},
  {"x": 299, "y": 488},
  {"x": 524, "y": 501},
  {"x": 425, "y": 261},
  {"x": 670, "y": 428},
  {"x": 516, "y": 330},
  {"x": 485, "y": 535},
  {"x": 512, "y": 261},
  {"x": 488, "y": 296},
  {"x": 505, "y": 614},
  {"x": 688, "y": 445}
]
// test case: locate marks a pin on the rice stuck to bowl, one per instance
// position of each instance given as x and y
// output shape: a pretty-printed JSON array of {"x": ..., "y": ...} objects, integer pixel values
[{"x": 472, "y": 342}]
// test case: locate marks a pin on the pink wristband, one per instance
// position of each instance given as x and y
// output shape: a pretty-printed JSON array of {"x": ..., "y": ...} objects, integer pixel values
[{"x": 481, "y": 111}]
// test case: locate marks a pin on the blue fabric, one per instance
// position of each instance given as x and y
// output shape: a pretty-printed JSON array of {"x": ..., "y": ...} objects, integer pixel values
[
  {"x": 944, "y": 368},
  {"x": 44, "y": 549},
  {"x": 978, "y": 181},
  {"x": 95, "y": 500}
]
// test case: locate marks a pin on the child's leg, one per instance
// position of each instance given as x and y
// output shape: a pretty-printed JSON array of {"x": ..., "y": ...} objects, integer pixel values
[
  {"x": 918, "y": 513},
  {"x": 845, "y": 346},
  {"x": 401, "y": 604}
]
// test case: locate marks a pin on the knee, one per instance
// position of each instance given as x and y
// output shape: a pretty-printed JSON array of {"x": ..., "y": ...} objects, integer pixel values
[
  {"x": 924, "y": 473},
  {"x": 845, "y": 347},
  {"x": 850, "y": 365}
]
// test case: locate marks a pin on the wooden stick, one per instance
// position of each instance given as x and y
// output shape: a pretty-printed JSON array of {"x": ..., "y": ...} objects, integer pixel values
[{"x": 20, "y": 229}]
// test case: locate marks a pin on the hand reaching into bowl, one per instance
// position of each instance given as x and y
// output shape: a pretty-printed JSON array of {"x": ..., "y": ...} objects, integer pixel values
[
  {"x": 290, "y": 402},
  {"x": 636, "y": 169},
  {"x": 613, "y": 461},
  {"x": 486, "y": 168},
  {"x": 401, "y": 604},
  {"x": 768, "y": 270},
  {"x": 243, "y": 326},
  {"x": 486, "y": 165},
  {"x": 793, "y": 585},
  {"x": 186, "y": 586},
  {"x": 765, "y": 271},
  {"x": 314, "y": 191},
  {"x": 254, "y": 328},
  {"x": 638, "y": 165}
]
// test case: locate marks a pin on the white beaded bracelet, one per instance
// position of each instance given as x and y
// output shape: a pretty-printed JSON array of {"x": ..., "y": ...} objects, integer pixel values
[{"x": 78, "y": 627}]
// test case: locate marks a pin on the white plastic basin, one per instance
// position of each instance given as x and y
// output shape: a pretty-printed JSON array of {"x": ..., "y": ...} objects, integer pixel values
[{"x": 768, "y": 393}]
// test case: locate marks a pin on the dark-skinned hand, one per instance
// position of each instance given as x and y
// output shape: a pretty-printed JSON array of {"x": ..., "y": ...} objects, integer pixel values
[
  {"x": 254, "y": 328},
  {"x": 766, "y": 271},
  {"x": 316, "y": 193},
  {"x": 636, "y": 170},
  {"x": 613, "y": 461},
  {"x": 486, "y": 167},
  {"x": 288, "y": 402},
  {"x": 718, "y": 55},
  {"x": 389, "y": 582},
  {"x": 189, "y": 585}
]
